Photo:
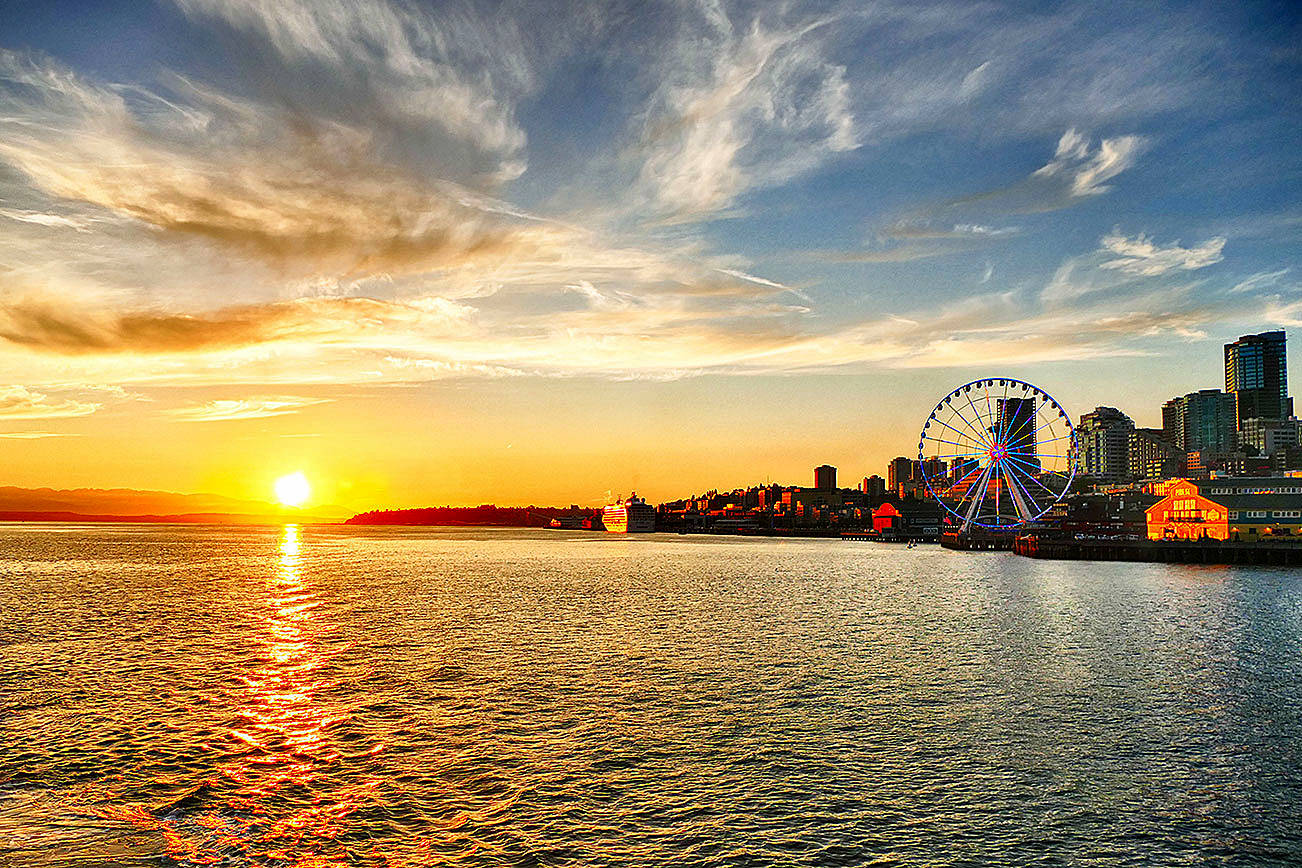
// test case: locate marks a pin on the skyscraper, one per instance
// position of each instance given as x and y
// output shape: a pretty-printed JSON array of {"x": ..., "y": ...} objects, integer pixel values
[
  {"x": 1256, "y": 373},
  {"x": 824, "y": 477},
  {"x": 1103, "y": 438}
]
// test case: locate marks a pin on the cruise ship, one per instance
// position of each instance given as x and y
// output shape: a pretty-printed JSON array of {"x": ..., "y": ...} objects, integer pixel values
[{"x": 634, "y": 515}]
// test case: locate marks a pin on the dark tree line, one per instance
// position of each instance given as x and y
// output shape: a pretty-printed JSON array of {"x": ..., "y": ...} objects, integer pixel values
[{"x": 486, "y": 515}]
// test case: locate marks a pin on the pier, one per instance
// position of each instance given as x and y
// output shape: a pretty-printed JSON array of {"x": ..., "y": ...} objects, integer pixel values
[
  {"x": 1169, "y": 552},
  {"x": 978, "y": 540}
]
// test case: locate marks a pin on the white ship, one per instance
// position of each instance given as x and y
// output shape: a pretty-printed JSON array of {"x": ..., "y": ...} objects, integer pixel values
[{"x": 634, "y": 515}]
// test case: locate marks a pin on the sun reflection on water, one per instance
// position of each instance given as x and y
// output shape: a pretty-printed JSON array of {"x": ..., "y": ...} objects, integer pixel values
[{"x": 285, "y": 726}]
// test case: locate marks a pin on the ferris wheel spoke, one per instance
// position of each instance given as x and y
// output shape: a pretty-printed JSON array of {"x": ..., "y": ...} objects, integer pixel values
[
  {"x": 1026, "y": 472},
  {"x": 982, "y": 484},
  {"x": 1048, "y": 423},
  {"x": 959, "y": 455},
  {"x": 977, "y": 415},
  {"x": 953, "y": 443},
  {"x": 1034, "y": 509},
  {"x": 980, "y": 438},
  {"x": 1033, "y": 505},
  {"x": 952, "y": 428},
  {"x": 959, "y": 482},
  {"x": 1023, "y": 474},
  {"x": 975, "y": 486},
  {"x": 989, "y": 410}
]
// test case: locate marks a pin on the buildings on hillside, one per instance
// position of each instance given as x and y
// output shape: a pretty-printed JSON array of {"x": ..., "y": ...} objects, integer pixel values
[
  {"x": 1246, "y": 429},
  {"x": 1219, "y": 465}
]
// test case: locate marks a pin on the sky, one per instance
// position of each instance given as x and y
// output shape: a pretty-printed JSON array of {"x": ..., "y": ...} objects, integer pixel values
[{"x": 549, "y": 252}]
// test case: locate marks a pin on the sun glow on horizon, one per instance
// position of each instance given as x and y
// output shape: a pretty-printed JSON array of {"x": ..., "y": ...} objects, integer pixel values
[{"x": 293, "y": 489}]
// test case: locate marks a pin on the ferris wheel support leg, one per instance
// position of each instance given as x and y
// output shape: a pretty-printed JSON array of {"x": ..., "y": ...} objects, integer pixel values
[
  {"x": 1024, "y": 512},
  {"x": 982, "y": 483}
]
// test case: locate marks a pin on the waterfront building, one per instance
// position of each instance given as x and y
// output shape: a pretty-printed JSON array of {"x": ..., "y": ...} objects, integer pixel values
[
  {"x": 1268, "y": 436},
  {"x": 1151, "y": 455},
  {"x": 1103, "y": 443},
  {"x": 824, "y": 477},
  {"x": 1201, "y": 421},
  {"x": 1256, "y": 374},
  {"x": 1121, "y": 515},
  {"x": 907, "y": 519},
  {"x": 1223, "y": 509}
]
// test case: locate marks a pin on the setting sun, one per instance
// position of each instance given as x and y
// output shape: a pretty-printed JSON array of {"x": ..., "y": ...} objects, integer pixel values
[{"x": 293, "y": 490}]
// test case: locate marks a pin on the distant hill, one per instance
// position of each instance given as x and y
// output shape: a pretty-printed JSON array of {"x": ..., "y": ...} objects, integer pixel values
[
  {"x": 487, "y": 515},
  {"x": 128, "y": 504}
]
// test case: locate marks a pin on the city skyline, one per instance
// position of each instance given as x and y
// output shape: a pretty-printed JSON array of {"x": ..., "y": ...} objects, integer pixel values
[{"x": 427, "y": 255}]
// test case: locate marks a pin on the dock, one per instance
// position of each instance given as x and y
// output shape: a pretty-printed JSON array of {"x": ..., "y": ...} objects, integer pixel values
[
  {"x": 1282, "y": 554},
  {"x": 978, "y": 540}
]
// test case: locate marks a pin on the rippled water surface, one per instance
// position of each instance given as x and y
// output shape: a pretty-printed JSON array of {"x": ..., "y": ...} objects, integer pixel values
[{"x": 409, "y": 697}]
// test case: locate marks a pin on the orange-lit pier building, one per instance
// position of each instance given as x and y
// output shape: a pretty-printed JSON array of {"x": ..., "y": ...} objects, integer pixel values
[{"x": 1244, "y": 509}]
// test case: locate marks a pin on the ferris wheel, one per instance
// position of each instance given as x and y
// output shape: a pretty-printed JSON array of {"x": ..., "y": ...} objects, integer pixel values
[{"x": 997, "y": 453}]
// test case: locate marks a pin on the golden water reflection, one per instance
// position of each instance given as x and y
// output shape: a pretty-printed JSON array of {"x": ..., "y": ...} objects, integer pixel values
[{"x": 283, "y": 776}]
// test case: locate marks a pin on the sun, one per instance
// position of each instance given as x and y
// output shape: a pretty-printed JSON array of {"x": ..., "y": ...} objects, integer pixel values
[{"x": 293, "y": 490}]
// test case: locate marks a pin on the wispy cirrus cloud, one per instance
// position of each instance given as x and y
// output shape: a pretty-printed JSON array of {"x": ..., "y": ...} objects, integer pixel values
[
  {"x": 31, "y": 435},
  {"x": 439, "y": 86},
  {"x": 19, "y": 402},
  {"x": 345, "y": 198},
  {"x": 235, "y": 409},
  {"x": 742, "y": 106},
  {"x": 1141, "y": 256},
  {"x": 1079, "y": 169}
]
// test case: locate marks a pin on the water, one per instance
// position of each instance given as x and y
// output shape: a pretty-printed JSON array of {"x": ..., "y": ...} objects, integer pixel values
[{"x": 411, "y": 697}]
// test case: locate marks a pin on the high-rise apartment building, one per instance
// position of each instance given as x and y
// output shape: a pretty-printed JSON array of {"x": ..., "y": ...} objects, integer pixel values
[
  {"x": 1256, "y": 374},
  {"x": 1103, "y": 443},
  {"x": 824, "y": 477},
  {"x": 1153, "y": 456},
  {"x": 1201, "y": 421}
]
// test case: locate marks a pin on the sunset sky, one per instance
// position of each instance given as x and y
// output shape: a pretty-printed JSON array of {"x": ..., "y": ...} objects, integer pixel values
[{"x": 440, "y": 253}]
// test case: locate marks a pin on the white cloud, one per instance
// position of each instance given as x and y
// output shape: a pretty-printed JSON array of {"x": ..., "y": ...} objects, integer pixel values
[
  {"x": 761, "y": 281},
  {"x": 18, "y": 402},
  {"x": 1086, "y": 170},
  {"x": 1260, "y": 281},
  {"x": 418, "y": 71},
  {"x": 52, "y": 221},
  {"x": 740, "y": 111},
  {"x": 30, "y": 435},
  {"x": 1140, "y": 256},
  {"x": 226, "y": 410}
]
